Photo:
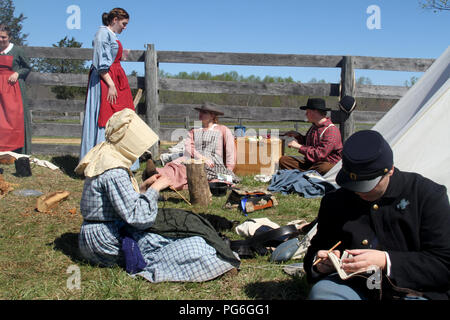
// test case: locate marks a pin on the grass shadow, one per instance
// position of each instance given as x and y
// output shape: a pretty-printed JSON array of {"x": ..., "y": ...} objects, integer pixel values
[
  {"x": 173, "y": 199},
  {"x": 295, "y": 289},
  {"x": 67, "y": 164},
  {"x": 67, "y": 243}
]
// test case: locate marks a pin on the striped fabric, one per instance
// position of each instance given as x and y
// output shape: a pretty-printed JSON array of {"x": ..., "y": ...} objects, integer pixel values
[{"x": 205, "y": 143}]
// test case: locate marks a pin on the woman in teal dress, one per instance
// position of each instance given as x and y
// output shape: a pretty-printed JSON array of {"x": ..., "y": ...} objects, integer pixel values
[
  {"x": 108, "y": 89},
  {"x": 15, "y": 121}
]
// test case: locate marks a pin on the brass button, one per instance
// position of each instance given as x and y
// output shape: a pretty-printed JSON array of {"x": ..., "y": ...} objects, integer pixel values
[
  {"x": 365, "y": 242},
  {"x": 375, "y": 207}
]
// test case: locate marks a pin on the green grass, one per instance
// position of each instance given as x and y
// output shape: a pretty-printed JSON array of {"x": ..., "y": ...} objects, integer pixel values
[{"x": 38, "y": 248}]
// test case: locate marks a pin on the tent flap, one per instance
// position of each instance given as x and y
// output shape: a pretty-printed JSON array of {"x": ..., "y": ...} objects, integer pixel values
[{"x": 417, "y": 127}]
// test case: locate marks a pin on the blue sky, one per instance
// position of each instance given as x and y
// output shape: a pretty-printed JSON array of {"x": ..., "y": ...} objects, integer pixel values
[{"x": 327, "y": 27}]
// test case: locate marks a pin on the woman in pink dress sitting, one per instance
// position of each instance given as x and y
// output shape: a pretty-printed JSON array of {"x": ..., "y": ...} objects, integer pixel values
[{"x": 213, "y": 143}]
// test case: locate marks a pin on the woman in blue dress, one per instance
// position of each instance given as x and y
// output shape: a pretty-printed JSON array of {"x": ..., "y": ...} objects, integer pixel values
[
  {"x": 112, "y": 203},
  {"x": 108, "y": 89}
]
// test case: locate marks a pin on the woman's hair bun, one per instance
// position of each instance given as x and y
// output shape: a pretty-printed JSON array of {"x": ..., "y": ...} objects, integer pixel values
[{"x": 108, "y": 17}]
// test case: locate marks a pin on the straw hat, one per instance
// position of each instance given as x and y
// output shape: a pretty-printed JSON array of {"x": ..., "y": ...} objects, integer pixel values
[{"x": 210, "y": 107}]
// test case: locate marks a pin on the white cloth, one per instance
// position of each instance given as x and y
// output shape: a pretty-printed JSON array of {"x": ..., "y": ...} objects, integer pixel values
[
  {"x": 262, "y": 177},
  {"x": 42, "y": 163},
  {"x": 249, "y": 227}
]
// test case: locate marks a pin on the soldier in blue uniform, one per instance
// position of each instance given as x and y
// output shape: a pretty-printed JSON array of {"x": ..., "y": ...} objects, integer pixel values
[{"x": 397, "y": 221}]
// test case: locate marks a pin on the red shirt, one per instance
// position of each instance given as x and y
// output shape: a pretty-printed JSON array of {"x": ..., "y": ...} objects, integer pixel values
[{"x": 322, "y": 143}]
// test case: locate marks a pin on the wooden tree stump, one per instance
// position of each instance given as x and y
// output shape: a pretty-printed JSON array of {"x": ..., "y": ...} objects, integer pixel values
[{"x": 199, "y": 192}]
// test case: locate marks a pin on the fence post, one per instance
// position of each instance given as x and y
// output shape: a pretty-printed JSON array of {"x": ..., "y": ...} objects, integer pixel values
[
  {"x": 151, "y": 94},
  {"x": 348, "y": 88}
]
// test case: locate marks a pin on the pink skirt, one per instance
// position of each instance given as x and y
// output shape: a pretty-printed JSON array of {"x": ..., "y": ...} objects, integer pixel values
[{"x": 176, "y": 172}]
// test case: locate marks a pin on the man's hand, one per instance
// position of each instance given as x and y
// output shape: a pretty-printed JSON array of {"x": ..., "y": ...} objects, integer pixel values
[
  {"x": 363, "y": 259},
  {"x": 325, "y": 265},
  {"x": 294, "y": 144}
]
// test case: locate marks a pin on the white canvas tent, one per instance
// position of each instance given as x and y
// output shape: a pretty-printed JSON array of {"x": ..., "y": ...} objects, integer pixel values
[{"x": 418, "y": 126}]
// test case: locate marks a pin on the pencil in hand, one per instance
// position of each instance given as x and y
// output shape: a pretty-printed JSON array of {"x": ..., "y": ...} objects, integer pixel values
[{"x": 334, "y": 247}]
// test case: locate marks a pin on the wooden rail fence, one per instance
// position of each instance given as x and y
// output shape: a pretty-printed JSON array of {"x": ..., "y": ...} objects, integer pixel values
[{"x": 154, "y": 112}]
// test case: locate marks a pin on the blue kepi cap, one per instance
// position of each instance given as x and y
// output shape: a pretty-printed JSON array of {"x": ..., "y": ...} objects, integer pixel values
[{"x": 366, "y": 158}]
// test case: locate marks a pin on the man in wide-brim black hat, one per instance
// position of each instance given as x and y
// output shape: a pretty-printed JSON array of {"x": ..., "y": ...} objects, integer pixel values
[{"x": 321, "y": 147}]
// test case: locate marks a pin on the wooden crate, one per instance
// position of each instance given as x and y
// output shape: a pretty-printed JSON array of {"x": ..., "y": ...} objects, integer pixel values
[{"x": 257, "y": 157}]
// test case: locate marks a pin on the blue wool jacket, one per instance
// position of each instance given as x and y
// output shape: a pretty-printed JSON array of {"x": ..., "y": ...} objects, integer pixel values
[{"x": 411, "y": 222}]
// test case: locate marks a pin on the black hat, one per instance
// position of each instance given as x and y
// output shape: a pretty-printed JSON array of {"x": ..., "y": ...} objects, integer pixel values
[
  {"x": 347, "y": 104},
  {"x": 210, "y": 107},
  {"x": 315, "y": 104},
  {"x": 366, "y": 158}
]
